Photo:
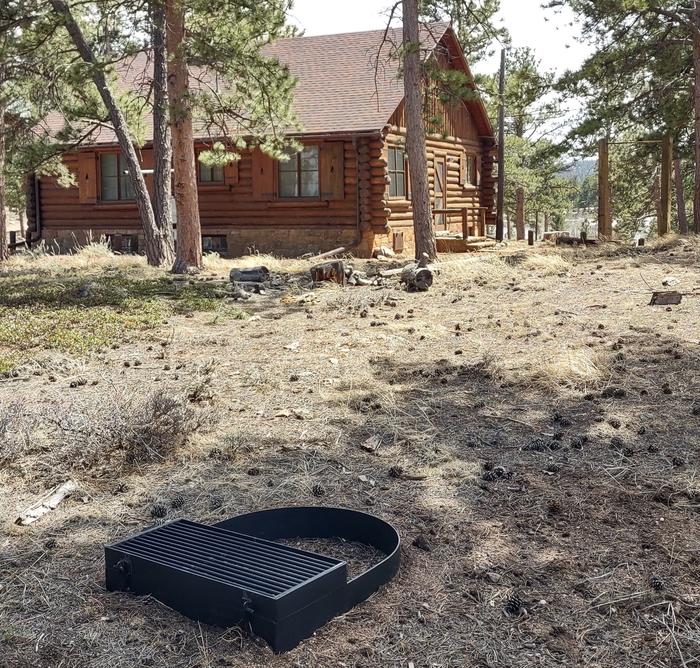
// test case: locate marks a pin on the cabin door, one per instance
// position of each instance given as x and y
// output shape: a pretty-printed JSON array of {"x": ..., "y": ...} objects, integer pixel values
[{"x": 440, "y": 184}]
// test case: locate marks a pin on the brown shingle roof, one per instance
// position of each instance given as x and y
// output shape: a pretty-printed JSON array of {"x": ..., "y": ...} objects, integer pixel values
[
  {"x": 336, "y": 89},
  {"x": 346, "y": 83}
]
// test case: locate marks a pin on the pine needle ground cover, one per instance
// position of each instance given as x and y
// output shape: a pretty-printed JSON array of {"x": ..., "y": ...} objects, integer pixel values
[{"x": 530, "y": 425}]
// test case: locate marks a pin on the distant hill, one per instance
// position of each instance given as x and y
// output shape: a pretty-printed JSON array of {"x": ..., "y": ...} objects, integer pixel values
[{"x": 580, "y": 170}]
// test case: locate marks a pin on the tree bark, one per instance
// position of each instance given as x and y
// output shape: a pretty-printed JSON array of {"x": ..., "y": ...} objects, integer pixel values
[
  {"x": 546, "y": 222},
  {"x": 680, "y": 197},
  {"x": 155, "y": 253},
  {"x": 520, "y": 214},
  {"x": 4, "y": 250},
  {"x": 696, "y": 100},
  {"x": 188, "y": 256},
  {"x": 415, "y": 133},
  {"x": 162, "y": 148}
]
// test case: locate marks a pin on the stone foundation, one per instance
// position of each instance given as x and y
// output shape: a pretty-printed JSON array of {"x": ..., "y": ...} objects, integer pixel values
[{"x": 280, "y": 241}]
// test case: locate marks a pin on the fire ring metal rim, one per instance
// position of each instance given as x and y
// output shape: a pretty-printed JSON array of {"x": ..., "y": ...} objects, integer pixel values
[{"x": 290, "y": 522}]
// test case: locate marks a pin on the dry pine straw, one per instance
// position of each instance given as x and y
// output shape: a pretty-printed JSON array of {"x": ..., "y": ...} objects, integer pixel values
[{"x": 538, "y": 428}]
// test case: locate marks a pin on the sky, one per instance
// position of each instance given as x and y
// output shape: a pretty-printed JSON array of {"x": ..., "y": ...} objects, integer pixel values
[{"x": 555, "y": 41}]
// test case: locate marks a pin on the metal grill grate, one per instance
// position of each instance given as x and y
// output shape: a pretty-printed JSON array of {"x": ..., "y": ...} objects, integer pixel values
[
  {"x": 234, "y": 574},
  {"x": 235, "y": 559}
]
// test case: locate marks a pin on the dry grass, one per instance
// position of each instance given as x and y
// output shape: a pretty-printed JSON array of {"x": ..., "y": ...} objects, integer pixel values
[
  {"x": 518, "y": 429},
  {"x": 550, "y": 264},
  {"x": 93, "y": 255},
  {"x": 478, "y": 269},
  {"x": 214, "y": 262}
]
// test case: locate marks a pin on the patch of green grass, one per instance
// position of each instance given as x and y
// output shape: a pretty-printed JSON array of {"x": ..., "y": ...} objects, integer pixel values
[
  {"x": 7, "y": 364},
  {"x": 77, "y": 312}
]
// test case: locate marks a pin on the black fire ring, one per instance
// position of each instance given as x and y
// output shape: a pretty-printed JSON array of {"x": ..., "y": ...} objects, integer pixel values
[{"x": 234, "y": 573}]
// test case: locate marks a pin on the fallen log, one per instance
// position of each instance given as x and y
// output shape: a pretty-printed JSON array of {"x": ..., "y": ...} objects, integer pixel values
[
  {"x": 251, "y": 275},
  {"x": 416, "y": 278}
]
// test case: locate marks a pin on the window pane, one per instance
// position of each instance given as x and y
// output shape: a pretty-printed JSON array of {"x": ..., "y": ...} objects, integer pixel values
[
  {"x": 392, "y": 159},
  {"x": 288, "y": 184},
  {"x": 400, "y": 184},
  {"x": 309, "y": 184},
  {"x": 127, "y": 189},
  {"x": 204, "y": 173},
  {"x": 108, "y": 164},
  {"x": 217, "y": 173},
  {"x": 309, "y": 158},
  {"x": 392, "y": 186},
  {"x": 289, "y": 165},
  {"x": 399, "y": 159},
  {"x": 109, "y": 188}
]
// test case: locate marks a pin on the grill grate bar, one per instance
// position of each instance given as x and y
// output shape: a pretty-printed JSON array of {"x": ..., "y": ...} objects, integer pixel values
[
  {"x": 216, "y": 560},
  {"x": 238, "y": 548},
  {"x": 295, "y": 562},
  {"x": 305, "y": 558},
  {"x": 237, "y": 581},
  {"x": 235, "y": 548}
]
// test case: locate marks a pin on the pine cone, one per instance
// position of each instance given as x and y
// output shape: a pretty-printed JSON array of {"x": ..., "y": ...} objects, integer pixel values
[
  {"x": 656, "y": 583},
  {"x": 178, "y": 501},
  {"x": 514, "y": 604},
  {"x": 159, "y": 510}
]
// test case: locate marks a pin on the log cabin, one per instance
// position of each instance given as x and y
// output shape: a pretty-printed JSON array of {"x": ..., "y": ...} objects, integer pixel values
[{"x": 348, "y": 186}]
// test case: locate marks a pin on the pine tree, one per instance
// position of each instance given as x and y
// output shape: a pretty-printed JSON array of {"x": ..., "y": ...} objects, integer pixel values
[
  {"x": 636, "y": 81},
  {"x": 156, "y": 245},
  {"x": 415, "y": 132}
]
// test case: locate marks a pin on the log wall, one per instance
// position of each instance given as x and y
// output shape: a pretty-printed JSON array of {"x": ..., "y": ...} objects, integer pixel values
[
  {"x": 244, "y": 208},
  {"x": 463, "y": 140}
]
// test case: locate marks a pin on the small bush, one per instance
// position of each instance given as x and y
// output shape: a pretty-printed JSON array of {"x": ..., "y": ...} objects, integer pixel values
[{"x": 153, "y": 428}]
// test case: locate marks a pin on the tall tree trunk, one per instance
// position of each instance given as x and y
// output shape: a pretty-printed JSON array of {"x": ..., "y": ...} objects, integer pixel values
[
  {"x": 4, "y": 251},
  {"x": 680, "y": 197},
  {"x": 155, "y": 245},
  {"x": 520, "y": 214},
  {"x": 415, "y": 133},
  {"x": 508, "y": 224},
  {"x": 696, "y": 99},
  {"x": 189, "y": 232},
  {"x": 546, "y": 222},
  {"x": 162, "y": 148}
]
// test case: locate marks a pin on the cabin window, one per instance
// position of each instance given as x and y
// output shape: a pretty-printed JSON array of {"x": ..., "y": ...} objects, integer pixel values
[
  {"x": 471, "y": 176},
  {"x": 115, "y": 183},
  {"x": 217, "y": 243},
  {"x": 298, "y": 176},
  {"x": 211, "y": 173},
  {"x": 397, "y": 173}
]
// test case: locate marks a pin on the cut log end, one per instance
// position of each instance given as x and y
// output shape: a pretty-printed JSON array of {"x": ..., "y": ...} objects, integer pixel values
[{"x": 416, "y": 278}]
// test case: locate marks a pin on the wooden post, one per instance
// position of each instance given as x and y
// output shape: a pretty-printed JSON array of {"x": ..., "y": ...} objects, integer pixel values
[
  {"x": 465, "y": 224},
  {"x": 666, "y": 185},
  {"x": 604, "y": 211},
  {"x": 530, "y": 238},
  {"x": 500, "y": 202},
  {"x": 482, "y": 222},
  {"x": 520, "y": 214}
]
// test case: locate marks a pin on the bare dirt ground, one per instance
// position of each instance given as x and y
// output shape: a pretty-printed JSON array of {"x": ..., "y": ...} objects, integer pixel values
[{"x": 537, "y": 424}]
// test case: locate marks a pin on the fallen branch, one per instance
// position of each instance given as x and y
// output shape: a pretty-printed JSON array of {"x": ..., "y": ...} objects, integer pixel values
[{"x": 47, "y": 503}]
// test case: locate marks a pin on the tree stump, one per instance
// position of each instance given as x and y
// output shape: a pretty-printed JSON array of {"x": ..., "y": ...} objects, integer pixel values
[{"x": 329, "y": 271}]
